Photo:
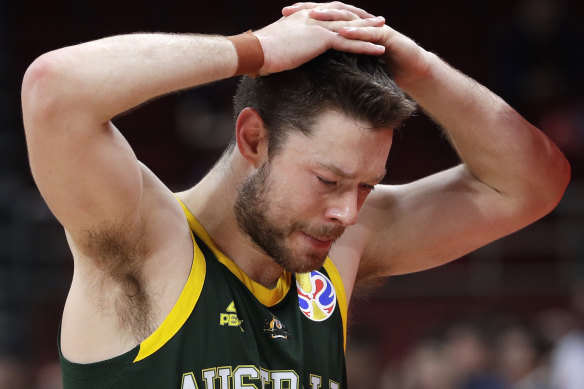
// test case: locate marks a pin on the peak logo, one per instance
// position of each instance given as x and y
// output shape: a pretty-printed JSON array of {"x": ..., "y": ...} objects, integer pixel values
[
  {"x": 317, "y": 297},
  {"x": 229, "y": 318}
]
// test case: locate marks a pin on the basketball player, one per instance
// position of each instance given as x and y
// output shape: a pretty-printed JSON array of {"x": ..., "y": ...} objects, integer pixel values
[{"x": 244, "y": 279}]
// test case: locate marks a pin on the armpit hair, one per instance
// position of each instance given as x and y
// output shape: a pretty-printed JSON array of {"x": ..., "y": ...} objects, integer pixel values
[{"x": 119, "y": 252}]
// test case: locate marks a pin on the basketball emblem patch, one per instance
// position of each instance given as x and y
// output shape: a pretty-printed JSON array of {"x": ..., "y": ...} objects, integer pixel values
[{"x": 317, "y": 297}]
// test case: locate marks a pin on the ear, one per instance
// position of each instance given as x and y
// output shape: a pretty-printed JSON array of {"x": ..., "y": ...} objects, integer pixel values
[{"x": 251, "y": 136}]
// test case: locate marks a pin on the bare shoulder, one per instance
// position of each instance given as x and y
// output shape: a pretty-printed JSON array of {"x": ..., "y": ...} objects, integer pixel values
[{"x": 128, "y": 274}]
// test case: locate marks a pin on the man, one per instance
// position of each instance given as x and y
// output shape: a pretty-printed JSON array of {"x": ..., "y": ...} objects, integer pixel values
[{"x": 251, "y": 287}]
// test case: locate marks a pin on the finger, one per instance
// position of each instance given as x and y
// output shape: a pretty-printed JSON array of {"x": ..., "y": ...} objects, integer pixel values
[
  {"x": 357, "y": 46},
  {"x": 358, "y": 11},
  {"x": 341, "y": 25},
  {"x": 373, "y": 34},
  {"x": 287, "y": 11},
  {"x": 332, "y": 14},
  {"x": 377, "y": 21}
]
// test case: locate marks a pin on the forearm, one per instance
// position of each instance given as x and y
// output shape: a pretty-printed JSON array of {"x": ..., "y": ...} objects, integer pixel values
[
  {"x": 499, "y": 146},
  {"x": 111, "y": 75}
]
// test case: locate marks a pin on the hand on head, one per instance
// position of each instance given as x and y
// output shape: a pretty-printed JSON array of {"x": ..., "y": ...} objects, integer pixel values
[{"x": 309, "y": 29}]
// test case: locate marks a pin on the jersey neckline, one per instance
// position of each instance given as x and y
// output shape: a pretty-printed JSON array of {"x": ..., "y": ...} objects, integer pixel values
[{"x": 266, "y": 296}]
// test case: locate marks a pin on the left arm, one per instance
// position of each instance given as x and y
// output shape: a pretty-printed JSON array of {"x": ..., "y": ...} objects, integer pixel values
[{"x": 511, "y": 173}]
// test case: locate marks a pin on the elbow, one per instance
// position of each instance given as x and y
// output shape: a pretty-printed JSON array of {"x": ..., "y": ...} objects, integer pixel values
[
  {"x": 552, "y": 187},
  {"x": 40, "y": 89},
  {"x": 563, "y": 174}
]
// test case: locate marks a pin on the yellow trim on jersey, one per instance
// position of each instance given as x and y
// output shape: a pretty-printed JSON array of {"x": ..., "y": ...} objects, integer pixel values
[
  {"x": 268, "y": 297},
  {"x": 181, "y": 310},
  {"x": 335, "y": 278}
]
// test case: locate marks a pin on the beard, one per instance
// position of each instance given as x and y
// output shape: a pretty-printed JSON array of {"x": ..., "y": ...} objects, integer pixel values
[{"x": 252, "y": 207}]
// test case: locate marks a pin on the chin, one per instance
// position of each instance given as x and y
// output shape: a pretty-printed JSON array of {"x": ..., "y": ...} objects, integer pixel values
[{"x": 306, "y": 264}]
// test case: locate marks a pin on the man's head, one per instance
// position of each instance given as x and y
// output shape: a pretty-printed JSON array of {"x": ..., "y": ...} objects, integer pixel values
[
  {"x": 358, "y": 86},
  {"x": 327, "y": 129}
]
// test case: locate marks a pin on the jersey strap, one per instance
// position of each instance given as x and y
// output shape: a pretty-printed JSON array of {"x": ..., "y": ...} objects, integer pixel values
[
  {"x": 335, "y": 277},
  {"x": 181, "y": 310}
]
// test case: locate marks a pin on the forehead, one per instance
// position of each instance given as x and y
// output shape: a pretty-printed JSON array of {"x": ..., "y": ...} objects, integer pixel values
[{"x": 341, "y": 141}]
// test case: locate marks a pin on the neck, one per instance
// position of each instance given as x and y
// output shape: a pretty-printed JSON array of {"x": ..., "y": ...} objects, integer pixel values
[{"x": 211, "y": 202}]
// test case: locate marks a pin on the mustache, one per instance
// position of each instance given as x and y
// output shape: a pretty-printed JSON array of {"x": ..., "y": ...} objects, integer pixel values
[{"x": 323, "y": 232}]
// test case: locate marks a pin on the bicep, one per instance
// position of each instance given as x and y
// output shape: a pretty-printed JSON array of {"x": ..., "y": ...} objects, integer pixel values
[
  {"x": 434, "y": 220},
  {"x": 87, "y": 174}
]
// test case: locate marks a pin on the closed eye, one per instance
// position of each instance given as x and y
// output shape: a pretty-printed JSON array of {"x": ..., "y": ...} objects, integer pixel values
[{"x": 326, "y": 182}]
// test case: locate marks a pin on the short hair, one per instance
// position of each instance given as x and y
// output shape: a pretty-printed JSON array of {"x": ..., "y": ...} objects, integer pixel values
[{"x": 359, "y": 86}]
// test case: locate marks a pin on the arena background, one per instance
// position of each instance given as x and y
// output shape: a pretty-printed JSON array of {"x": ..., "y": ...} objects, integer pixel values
[{"x": 466, "y": 319}]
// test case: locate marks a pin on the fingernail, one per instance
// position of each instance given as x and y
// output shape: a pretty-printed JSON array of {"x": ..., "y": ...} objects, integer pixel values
[{"x": 350, "y": 29}]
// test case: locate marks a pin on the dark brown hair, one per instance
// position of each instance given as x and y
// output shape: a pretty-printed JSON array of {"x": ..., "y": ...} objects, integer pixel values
[{"x": 359, "y": 86}]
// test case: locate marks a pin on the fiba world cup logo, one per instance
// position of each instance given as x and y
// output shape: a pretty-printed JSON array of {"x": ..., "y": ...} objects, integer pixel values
[{"x": 317, "y": 297}]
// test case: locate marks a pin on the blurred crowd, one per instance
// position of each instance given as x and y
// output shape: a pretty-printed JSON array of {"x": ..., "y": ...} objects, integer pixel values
[{"x": 498, "y": 352}]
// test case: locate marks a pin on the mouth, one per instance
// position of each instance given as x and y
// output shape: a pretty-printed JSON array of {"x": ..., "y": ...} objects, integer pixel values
[{"x": 319, "y": 242}]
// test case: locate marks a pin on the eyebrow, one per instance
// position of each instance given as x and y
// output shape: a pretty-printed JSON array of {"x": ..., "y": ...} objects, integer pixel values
[{"x": 345, "y": 175}]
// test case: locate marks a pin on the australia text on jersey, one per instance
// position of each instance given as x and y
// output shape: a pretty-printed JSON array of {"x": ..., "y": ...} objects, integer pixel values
[{"x": 246, "y": 376}]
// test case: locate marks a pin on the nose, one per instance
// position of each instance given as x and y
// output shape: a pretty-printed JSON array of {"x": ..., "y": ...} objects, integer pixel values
[{"x": 344, "y": 209}]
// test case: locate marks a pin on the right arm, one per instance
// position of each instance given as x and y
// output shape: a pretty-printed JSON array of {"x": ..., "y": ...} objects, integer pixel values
[
  {"x": 126, "y": 231},
  {"x": 83, "y": 166}
]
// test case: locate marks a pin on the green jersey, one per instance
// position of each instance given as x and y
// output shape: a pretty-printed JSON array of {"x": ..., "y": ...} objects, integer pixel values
[{"x": 228, "y": 332}]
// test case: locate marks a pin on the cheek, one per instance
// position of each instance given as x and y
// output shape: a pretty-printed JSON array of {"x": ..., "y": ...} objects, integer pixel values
[
  {"x": 296, "y": 195},
  {"x": 304, "y": 205}
]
